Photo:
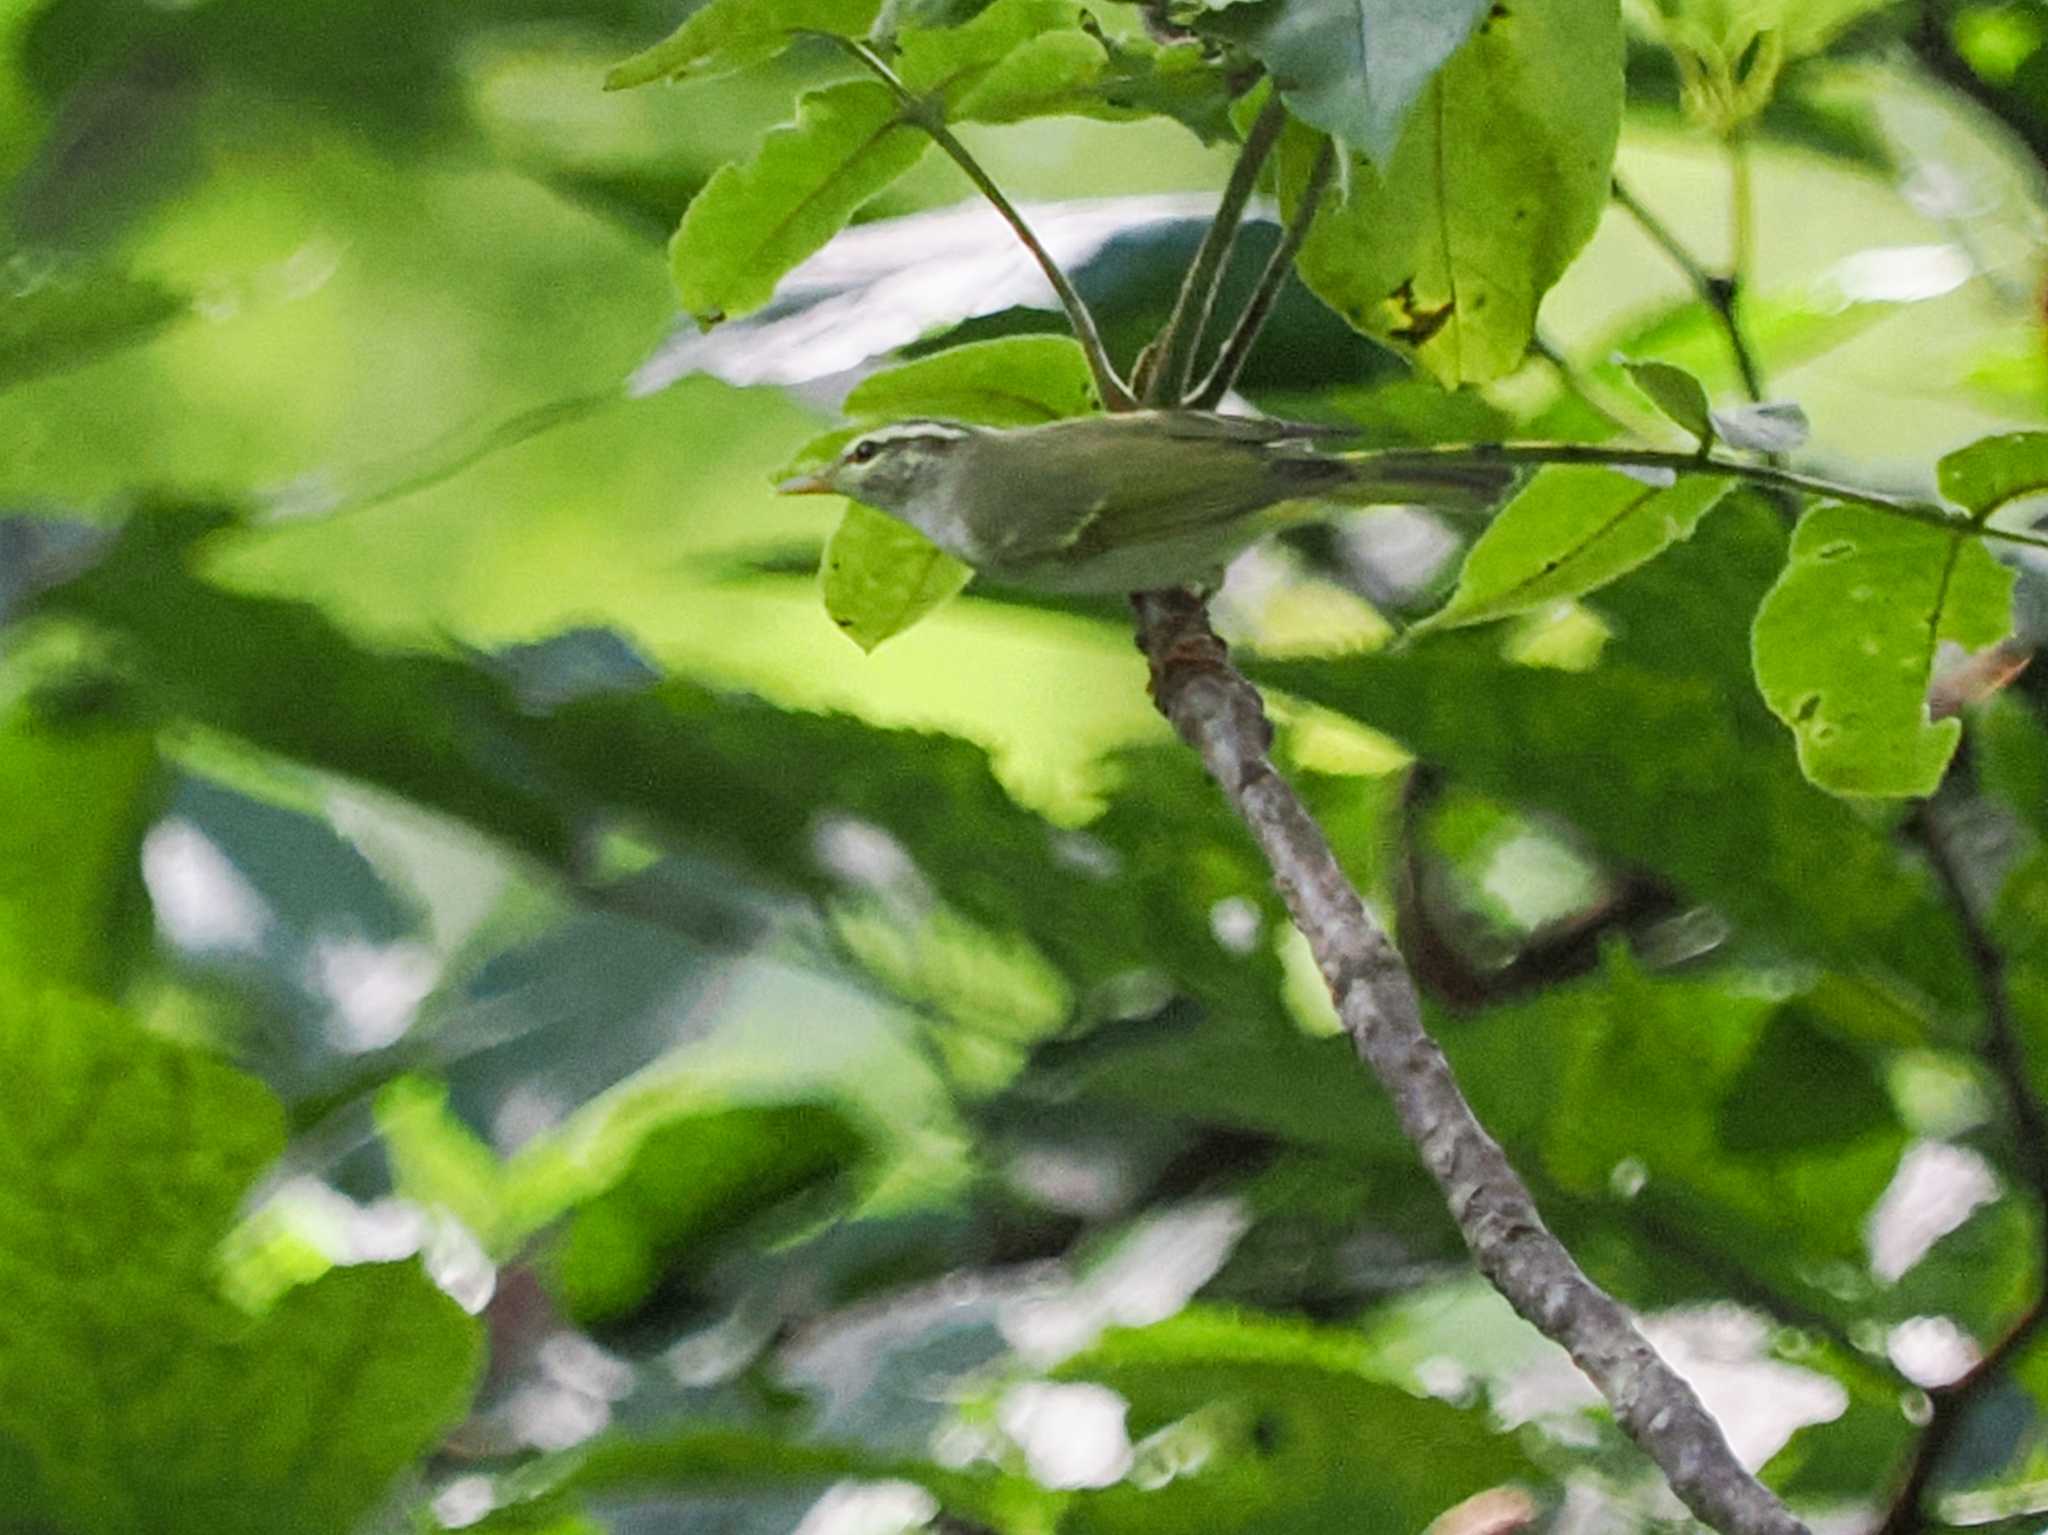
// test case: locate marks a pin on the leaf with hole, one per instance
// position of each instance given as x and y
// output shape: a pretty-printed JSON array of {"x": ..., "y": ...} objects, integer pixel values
[
  {"x": 1444, "y": 248},
  {"x": 1846, "y": 641}
]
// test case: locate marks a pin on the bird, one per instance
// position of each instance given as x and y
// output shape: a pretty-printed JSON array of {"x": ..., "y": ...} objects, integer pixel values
[{"x": 1119, "y": 503}]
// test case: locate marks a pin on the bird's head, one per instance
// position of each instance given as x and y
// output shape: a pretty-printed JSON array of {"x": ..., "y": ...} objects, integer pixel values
[{"x": 889, "y": 468}]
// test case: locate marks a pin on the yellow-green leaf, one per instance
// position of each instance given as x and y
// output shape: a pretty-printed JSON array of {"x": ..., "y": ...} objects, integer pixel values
[
  {"x": 756, "y": 220},
  {"x": 1446, "y": 247},
  {"x": 880, "y": 576},
  {"x": 726, "y": 35},
  {"x": 1846, "y": 640},
  {"x": 1569, "y": 531}
]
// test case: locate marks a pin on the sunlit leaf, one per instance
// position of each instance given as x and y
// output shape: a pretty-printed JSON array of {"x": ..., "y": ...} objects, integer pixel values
[
  {"x": 754, "y": 221},
  {"x": 63, "y": 317},
  {"x": 1352, "y": 68},
  {"x": 132, "y": 1396},
  {"x": 726, "y": 35},
  {"x": 81, "y": 795},
  {"x": 1846, "y": 643},
  {"x": 1992, "y": 471},
  {"x": 1446, "y": 247},
  {"x": 1570, "y": 531},
  {"x": 954, "y": 63},
  {"x": 1087, "y": 73},
  {"x": 1014, "y": 381},
  {"x": 879, "y": 576}
]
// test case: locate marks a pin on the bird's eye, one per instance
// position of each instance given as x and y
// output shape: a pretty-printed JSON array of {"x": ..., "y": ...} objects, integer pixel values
[{"x": 863, "y": 451}]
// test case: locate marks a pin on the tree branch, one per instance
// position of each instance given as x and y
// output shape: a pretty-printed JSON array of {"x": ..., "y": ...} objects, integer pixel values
[
  {"x": 1230, "y": 361},
  {"x": 1220, "y": 714},
  {"x": 1397, "y": 461},
  {"x": 2003, "y": 1053},
  {"x": 1180, "y": 338},
  {"x": 920, "y": 113}
]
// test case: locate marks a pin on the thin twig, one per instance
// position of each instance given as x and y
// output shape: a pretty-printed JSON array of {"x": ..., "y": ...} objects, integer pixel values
[
  {"x": 1396, "y": 461},
  {"x": 1230, "y": 361},
  {"x": 1180, "y": 338},
  {"x": 2004, "y": 1054},
  {"x": 1220, "y": 714},
  {"x": 1718, "y": 293},
  {"x": 1578, "y": 384},
  {"x": 921, "y": 113}
]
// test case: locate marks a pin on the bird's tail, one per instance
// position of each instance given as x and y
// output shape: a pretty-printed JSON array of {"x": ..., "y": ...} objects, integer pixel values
[{"x": 1388, "y": 480}]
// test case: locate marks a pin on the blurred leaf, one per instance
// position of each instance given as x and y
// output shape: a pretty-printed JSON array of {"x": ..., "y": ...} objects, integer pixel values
[
  {"x": 1802, "y": 1089},
  {"x": 1274, "y": 1419},
  {"x": 725, "y": 35},
  {"x": 692, "y": 1184},
  {"x": 879, "y": 576},
  {"x": 737, "y": 1462},
  {"x": 1774, "y": 426},
  {"x": 1568, "y": 532},
  {"x": 1085, "y": 72},
  {"x": 1718, "y": 806},
  {"x": 1682, "y": 1054},
  {"x": 1846, "y": 644},
  {"x": 1015, "y": 381},
  {"x": 1992, "y": 471},
  {"x": 135, "y": 1397},
  {"x": 65, "y": 317},
  {"x": 2012, "y": 759},
  {"x": 80, "y": 795},
  {"x": 1445, "y": 248},
  {"x": 438, "y": 1161},
  {"x": 1354, "y": 69},
  {"x": 755, "y": 221},
  {"x": 1785, "y": 330},
  {"x": 1676, "y": 393}
]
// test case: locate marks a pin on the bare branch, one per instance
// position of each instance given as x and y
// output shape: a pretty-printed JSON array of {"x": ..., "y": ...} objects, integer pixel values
[
  {"x": 1245, "y": 334},
  {"x": 1220, "y": 714}
]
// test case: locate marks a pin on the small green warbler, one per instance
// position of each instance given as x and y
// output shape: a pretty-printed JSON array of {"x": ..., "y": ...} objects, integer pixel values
[{"x": 1117, "y": 503}]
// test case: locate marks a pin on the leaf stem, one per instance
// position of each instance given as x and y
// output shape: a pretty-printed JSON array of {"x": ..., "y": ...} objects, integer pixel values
[
  {"x": 1718, "y": 293},
  {"x": 1766, "y": 476},
  {"x": 921, "y": 113},
  {"x": 1230, "y": 361},
  {"x": 1180, "y": 338}
]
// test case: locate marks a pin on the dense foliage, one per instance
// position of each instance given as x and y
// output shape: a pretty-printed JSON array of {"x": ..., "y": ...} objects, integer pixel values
[{"x": 509, "y": 1020}]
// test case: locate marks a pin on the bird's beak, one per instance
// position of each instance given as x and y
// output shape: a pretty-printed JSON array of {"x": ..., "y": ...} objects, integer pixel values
[{"x": 804, "y": 485}]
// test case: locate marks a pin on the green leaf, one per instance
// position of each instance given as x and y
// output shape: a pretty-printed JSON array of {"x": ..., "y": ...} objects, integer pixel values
[
  {"x": 879, "y": 576},
  {"x": 955, "y": 63},
  {"x": 1570, "y": 531},
  {"x": 71, "y": 894},
  {"x": 2012, "y": 759},
  {"x": 755, "y": 221},
  {"x": 1802, "y": 1089},
  {"x": 64, "y": 317},
  {"x": 1445, "y": 249},
  {"x": 1086, "y": 73},
  {"x": 1846, "y": 641},
  {"x": 1665, "y": 759},
  {"x": 1992, "y": 471},
  {"x": 1266, "y": 1423},
  {"x": 693, "y": 1183},
  {"x": 1012, "y": 381},
  {"x": 134, "y": 1397},
  {"x": 726, "y": 35},
  {"x": 1356, "y": 69},
  {"x": 1676, "y": 393}
]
